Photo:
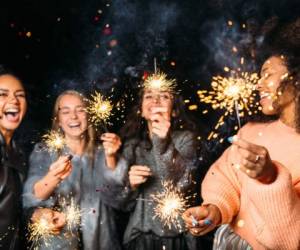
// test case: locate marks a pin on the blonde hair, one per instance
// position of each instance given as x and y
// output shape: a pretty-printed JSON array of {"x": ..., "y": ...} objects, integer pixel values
[{"x": 90, "y": 133}]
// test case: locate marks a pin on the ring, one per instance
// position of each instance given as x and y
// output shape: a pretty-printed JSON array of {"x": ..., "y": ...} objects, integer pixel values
[
  {"x": 195, "y": 231},
  {"x": 257, "y": 158}
]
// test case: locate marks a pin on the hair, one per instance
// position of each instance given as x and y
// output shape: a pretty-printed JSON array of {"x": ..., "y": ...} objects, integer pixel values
[
  {"x": 136, "y": 126},
  {"x": 90, "y": 133},
  {"x": 282, "y": 40}
]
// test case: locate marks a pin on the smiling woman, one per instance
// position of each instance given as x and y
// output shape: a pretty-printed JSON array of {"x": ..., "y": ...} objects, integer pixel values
[{"x": 12, "y": 172}]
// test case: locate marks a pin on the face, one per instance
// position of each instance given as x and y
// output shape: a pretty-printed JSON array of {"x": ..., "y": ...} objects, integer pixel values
[
  {"x": 72, "y": 117},
  {"x": 272, "y": 99},
  {"x": 155, "y": 98},
  {"x": 13, "y": 103}
]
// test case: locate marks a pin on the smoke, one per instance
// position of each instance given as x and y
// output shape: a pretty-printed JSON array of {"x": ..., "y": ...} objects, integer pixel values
[{"x": 133, "y": 34}]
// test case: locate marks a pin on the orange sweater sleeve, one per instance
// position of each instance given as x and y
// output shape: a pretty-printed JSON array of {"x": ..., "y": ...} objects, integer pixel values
[
  {"x": 275, "y": 209},
  {"x": 222, "y": 188}
]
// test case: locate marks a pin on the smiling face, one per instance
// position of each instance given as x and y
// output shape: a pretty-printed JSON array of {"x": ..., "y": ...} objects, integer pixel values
[
  {"x": 72, "y": 117},
  {"x": 272, "y": 99},
  {"x": 153, "y": 99},
  {"x": 13, "y": 103}
]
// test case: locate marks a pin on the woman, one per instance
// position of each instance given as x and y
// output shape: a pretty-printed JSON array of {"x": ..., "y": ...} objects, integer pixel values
[
  {"x": 158, "y": 146},
  {"x": 57, "y": 181},
  {"x": 13, "y": 107},
  {"x": 255, "y": 185}
]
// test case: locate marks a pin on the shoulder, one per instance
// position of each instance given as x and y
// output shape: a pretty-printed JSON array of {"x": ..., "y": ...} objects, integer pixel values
[
  {"x": 182, "y": 135},
  {"x": 252, "y": 129},
  {"x": 40, "y": 150}
]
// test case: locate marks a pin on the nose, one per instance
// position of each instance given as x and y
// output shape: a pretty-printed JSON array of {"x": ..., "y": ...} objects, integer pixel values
[
  {"x": 156, "y": 99},
  {"x": 13, "y": 99},
  {"x": 73, "y": 114},
  {"x": 260, "y": 84}
]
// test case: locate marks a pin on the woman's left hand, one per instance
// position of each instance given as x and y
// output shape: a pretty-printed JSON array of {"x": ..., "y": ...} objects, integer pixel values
[
  {"x": 111, "y": 143},
  {"x": 254, "y": 160}
]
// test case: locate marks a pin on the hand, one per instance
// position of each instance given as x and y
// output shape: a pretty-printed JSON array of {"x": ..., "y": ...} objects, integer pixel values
[
  {"x": 138, "y": 175},
  {"x": 160, "y": 121},
  {"x": 253, "y": 160},
  {"x": 111, "y": 143},
  {"x": 202, "y": 219},
  {"x": 61, "y": 168},
  {"x": 54, "y": 219}
]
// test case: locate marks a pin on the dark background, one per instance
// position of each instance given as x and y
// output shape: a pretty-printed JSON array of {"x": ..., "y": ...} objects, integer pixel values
[{"x": 104, "y": 45}]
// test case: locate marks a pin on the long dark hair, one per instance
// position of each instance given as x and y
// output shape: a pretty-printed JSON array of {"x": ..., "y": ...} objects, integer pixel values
[{"x": 136, "y": 126}]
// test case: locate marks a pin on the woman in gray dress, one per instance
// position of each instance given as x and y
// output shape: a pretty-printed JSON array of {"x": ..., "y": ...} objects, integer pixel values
[
  {"x": 159, "y": 145},
  {"x": 73, "y": 176}
]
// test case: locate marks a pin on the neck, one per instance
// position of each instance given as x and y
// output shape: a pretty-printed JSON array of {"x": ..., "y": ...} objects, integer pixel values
[
  {"x": 287, "y": 116},
  {"x": 76, "y": 144}
]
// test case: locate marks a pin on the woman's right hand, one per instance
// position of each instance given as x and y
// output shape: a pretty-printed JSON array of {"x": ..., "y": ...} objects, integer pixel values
[
  {"x": 138, "y": 175},
  {"x": 202, "y": 219},
  {"x": 61, "y": 168},
  {"x": 54, "y": 219}
]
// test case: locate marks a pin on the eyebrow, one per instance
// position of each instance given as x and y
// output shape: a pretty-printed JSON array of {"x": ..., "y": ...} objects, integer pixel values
[
  {"x": 78, "y": 106},
  {"x": 7, "y": 90}
]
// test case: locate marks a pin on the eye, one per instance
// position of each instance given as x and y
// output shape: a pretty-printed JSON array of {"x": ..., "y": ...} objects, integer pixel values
[
  {"x": 22, "y": 95},
  {"x": 165, "y": 97},
  {"x": 3, "y": 94},
  {"x": 148, "y": 97}
]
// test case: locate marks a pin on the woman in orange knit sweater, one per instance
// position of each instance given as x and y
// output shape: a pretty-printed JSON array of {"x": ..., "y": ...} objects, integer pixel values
[{"x": 255, "y": 185}]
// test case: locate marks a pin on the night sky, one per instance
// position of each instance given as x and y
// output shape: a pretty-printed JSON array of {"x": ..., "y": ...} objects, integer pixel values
[{"x": 88, "y": 45}]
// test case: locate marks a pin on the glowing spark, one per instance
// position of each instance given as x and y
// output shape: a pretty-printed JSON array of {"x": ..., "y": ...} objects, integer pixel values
[
  {"x": 72, "y": 213},
  {"x": 160, "y": 82},
  {"x": 40, "y": 230},
  {"x": 170, "y": 204},
  {"x": 99, "y": 109},
  {"x": 54, "y": 141},
  {"x": 235, "y": 93}
]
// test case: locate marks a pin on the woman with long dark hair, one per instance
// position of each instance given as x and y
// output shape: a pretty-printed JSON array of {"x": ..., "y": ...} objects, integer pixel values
[
  {"x": 13, "y": 107},
  {"x": 159, "y": 145}
]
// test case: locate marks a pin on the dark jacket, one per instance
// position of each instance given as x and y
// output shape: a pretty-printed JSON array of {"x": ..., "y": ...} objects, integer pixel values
[{"x": 12, "y": 174}]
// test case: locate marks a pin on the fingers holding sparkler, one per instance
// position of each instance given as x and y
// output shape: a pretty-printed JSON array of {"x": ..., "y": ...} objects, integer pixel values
[
  {"x": 111, "y": 143},
  {"x": 202, "y": 219}
]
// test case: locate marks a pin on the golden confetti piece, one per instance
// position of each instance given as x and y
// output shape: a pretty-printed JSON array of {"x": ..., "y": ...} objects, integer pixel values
[{"x": 193, "y": 107}]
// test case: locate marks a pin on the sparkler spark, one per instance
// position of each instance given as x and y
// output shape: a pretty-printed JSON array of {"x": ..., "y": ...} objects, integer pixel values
[
  {"x": 72, "y": 213},
  {"x": 160, "y": 82},
  {"x": 40, "y": 231},
  {"x": 235, "y": 93},
  {"x": 99, "y": 109},
  {"x": 170, "y": 204},
  {"x": 54, "y": 141}
]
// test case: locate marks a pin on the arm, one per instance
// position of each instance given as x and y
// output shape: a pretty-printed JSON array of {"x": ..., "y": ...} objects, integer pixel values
[{"x": 177, "y": 156}]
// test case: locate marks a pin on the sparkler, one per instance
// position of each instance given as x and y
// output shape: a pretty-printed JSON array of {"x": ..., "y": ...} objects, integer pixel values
[
  {"x": 72, "y": 213},
  {"x": 170, "y": 204},
  {"x": 234, "y": 93},
  {"x": 40, "y": 231},
  {"x": 54, "y": 141},
  {"x": 99, "y": 109},
  {"x": 159, "y": 81}
]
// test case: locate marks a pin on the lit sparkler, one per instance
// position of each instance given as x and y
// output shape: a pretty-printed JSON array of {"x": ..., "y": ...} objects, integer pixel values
[
  {"x": 72, "y": 213},
  {"x": 159, "y": 81},
  {"x": 170, "y": 204},
  {"x": 40, "y": 231},
  {"x": 99, "y": 109},
  {"x": 234, "y": 94},
  {"x": 54, "y": 141}
]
